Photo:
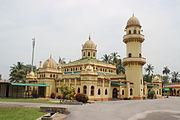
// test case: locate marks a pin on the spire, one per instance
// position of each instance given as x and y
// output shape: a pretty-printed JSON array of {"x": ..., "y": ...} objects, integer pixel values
[
  {"x": 133, "y": 15},
  {"x": 89, "y": 36}
]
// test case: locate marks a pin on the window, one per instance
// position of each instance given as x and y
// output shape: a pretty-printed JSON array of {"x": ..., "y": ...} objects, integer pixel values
[
  {"x": 134, "y": 31},
  {"x": 89, "y": 54},
  {"x": 131, "y": 91},
  {"x": 106, "y": 92},
  {"x": 130, "y": 55},
  {"x": 139, "y": 54},
  {"x": 54, "y": 76},
  {"x": 78, "y": 91},
  {"x": 93, "y": 54},
  {"x": 139, "y": 32},
  {"x": 99, "y": 91},
  {"x": 85, "y": 89},
  {"x": 92, "y": 90},
  {"x": 84, "y": 54},
  {"x": 157, "y": 92},
  {"x": 129, "y": 31},
  {"x": 122, "y": 92}
]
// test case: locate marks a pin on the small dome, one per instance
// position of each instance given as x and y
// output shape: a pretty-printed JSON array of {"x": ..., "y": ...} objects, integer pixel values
[
  {"x": 31, "y": 74},
  {"x": 50, "y": 63},
  {"x": 89, "y": 68},
  {"x": 133, "y": 21},
  {"x": 89, "y": 44},
  {"x": 156, "y": 79}
]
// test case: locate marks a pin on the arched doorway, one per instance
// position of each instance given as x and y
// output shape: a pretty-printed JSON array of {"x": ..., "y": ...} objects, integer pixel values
[{"x": 115, "y": 93}]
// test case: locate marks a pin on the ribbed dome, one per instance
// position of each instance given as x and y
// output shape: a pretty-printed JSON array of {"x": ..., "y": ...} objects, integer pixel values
[
  {"x": 133, "y": 21},
  {"x": 89, "y": 45},
  {"x": 156, "y": 79},
  {"x": 50, "y": 63}
]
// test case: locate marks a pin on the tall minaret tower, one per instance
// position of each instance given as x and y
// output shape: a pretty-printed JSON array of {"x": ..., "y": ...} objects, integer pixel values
[{"x": 134, "y": 61}]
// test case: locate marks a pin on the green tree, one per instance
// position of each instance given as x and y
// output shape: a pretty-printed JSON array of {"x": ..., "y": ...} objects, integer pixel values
[
  {"x": 115, "y": 57},
  {"x": 175, "y": 77},
  {"x": 165, "y": 78},
  {"x": 120, "y": 67},
  {"x": 106, "y": 58},
  {"x": 18, "y": 72},
  {"x": 149, "y": 69},
  {"x": 62, "y": 60},
  {"x": 66, "y": 92}
]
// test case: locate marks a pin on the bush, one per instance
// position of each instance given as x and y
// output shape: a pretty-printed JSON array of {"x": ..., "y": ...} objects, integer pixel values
[
  {"x": 81, "y": 97},
  {"x": 53, "y": 95},
  {"x": 152, "y": 95}
]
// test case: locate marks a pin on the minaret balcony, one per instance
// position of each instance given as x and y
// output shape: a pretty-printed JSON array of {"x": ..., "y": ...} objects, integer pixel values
[
  {"x": 133, "y": 37},
  {"x": 134, "y": 60}
]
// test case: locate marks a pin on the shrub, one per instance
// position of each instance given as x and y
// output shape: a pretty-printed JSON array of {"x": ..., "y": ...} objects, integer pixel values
[
  {"x": 152, "y": 94},
  {"x": 53, "y": 95},
  {"x": 67, "y": 92},
  {"x": 81, "y": 97}
]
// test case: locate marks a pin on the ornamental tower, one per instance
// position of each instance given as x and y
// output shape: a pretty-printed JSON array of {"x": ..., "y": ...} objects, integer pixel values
[
  {"x": 89, "y": 49},
  {"x": 134, "y": 61}
]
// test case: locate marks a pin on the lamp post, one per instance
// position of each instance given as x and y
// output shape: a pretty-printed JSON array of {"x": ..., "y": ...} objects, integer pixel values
[{"x": 33, "y": 46}]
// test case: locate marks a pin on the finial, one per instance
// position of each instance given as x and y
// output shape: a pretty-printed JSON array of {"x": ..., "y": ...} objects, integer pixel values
[
  {"x": 133, "y": 15},
  {"x": 89, "y": 36}
]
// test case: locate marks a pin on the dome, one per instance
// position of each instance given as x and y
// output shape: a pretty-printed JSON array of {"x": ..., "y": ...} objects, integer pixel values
[
  {"x": 133, "y": 21},
  {"x": 89, "y": 44},
  {"x": 31, "y": 74},
  {"x": 50, "y": 63},
  {"x": 156, "y": 79}
]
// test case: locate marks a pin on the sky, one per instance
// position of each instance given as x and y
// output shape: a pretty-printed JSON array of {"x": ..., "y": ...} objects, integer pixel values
[{"x": 62, "y": 26}]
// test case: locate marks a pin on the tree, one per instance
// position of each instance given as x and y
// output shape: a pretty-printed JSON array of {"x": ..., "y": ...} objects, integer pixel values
[
  {"x": 18, "y": 72},
  {"x": 115, "y": 57},
  {"x": 106, "y": 58},
  {"x": 66, "y": 92},
  {"x": 175, "y": 76},
  {"x": 120, "y": 67},
  {"x": 166, "y": 71},
  {"x": 149, "y": 69},
  {"x": 62, "y": 60}
]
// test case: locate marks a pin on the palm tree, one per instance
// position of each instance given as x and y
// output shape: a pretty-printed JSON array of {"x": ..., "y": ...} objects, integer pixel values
[
  {"x": 115, "y": 57},
  {"x": 106, "y": 58},
  {"x": 149, "y": 69},
  {"x": 62, "y": 60},
  {"x": 119, "y": 67},
  {"x": 17, "y": 73},
  {"x": 175, "y": 76},
  {"x": 166, "y": 71}
]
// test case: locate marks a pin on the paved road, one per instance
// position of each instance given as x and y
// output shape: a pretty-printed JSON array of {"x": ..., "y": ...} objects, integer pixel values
[{"x": 159, "y": 109}]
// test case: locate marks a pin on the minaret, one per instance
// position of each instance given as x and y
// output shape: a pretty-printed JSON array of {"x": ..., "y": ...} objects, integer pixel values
[{"x": 134, "y": 61}]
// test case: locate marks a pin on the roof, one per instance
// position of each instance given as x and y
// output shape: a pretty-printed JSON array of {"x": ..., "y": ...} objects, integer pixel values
[
  {"x": 151, "y": 86},
  {"x": 89, "y": 60},
  {"x": 89, "y": 45},
  {"x": 23, "y": 84},
  {"x": 133, "y": 21},
  {"x": 166, "y": 89},
  {"x": 118, "y": 84},
  {"x": 50, "y": 63}
]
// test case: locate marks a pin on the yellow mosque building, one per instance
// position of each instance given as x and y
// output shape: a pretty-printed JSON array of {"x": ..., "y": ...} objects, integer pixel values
[{"x": 97, "y": 79}]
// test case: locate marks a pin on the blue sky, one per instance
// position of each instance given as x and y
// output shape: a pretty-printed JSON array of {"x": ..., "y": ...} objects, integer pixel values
[{"x": 62, "y": 26}]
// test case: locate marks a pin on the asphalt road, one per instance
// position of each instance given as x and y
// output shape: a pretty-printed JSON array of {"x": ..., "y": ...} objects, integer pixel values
[{"x": 158, "y": 109}]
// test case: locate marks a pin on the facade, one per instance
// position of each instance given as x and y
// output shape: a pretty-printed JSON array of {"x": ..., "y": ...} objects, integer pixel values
[
  {"x": 97, "y": 79},
  {"x": 172, "y": 89}
]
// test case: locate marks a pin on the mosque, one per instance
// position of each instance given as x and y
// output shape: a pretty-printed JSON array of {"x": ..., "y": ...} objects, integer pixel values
[{"x": 97, "y": 79}]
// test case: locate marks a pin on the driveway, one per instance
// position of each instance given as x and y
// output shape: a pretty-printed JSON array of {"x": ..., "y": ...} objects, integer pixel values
[{"x": 158, "y": 109}]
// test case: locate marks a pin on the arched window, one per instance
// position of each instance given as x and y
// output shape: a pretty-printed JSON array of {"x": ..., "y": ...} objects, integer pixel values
[
  {"x": 157, "y": 92},
  {"x": 51, "y": 75},
  {"x": 92, "y": 90},
  {"x": 84, "y": 53},
  {"x": 106, "y": 92},
  {"x": 89, "y": 54},
  {"x": 78, "y": 91},
  {"x": 85, "y": 89},
  {"x": 129, "y": 31},
  {"x": 131, "y": 91},
  {"x": 93, "y": 54},
  {"x": 99, "y": 91},
  {"x": 130, "y": 55},
  {"x": 134, "y": 31},
  {"x": 139, "y": 32},
  {"x": 140, "y": 55},
  {"x": 122, "y": 92}
]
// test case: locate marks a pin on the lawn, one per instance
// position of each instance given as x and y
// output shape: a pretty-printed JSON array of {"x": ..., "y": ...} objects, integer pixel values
[
  {"x": 16, "y": 113},
  {"x": 28, "y": 101}
]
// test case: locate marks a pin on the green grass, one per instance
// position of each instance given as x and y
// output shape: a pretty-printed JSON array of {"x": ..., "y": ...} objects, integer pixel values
[
  {"x": 27, "y": 100},
  {"x": 16, "y": 113}
]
